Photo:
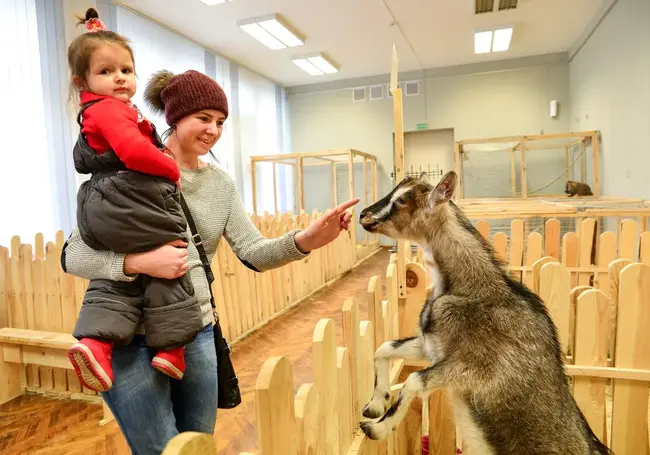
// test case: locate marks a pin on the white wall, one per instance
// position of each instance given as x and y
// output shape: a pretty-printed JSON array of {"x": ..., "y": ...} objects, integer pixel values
[
  {"x": 509, "y": 102},
  {"x": 609, "y": 81},
  {"x": 429, "y": 150}
]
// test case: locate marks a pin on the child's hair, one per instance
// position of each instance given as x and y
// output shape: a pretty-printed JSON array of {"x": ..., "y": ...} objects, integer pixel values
[{"x": 81, "y": 49}]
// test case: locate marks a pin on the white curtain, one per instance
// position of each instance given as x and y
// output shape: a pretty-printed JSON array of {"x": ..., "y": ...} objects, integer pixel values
[
  {"x": 156, "y": 48},
  {"x": 224, "y": 151},
  {"x": 28, "y": 202},
  {"x": 258, "y": 136},
  {"x": 287, "y": 196}
]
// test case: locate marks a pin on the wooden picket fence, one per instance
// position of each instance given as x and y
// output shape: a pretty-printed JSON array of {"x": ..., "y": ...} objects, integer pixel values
[
  {"x": 602, "y": 325},
  {"x": 36, "y": 294},
  {"x": 584, "y": 253}
]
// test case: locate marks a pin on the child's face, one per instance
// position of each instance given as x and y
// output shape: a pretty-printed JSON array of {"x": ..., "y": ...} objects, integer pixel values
[{"x": 111, "y": 73}]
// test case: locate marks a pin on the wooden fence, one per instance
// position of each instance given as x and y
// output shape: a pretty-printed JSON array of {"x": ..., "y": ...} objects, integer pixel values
[
  {"x": 603, "y": 331},
  {"x": 584, "y": 253},
  {"x": 36, "y": 294}
]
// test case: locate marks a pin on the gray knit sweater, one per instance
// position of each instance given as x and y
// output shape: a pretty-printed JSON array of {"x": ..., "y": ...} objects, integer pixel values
[{"x": 216, "y": 207}]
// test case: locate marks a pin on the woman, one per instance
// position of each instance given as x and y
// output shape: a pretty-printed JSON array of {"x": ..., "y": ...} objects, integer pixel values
[{"x": 149, "y": 407}]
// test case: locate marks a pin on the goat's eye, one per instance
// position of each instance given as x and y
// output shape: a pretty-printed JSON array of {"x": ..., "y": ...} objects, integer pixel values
[{"x": 401, "y": 200}]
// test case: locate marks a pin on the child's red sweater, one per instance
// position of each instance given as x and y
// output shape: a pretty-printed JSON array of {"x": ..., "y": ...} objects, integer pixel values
[{"x": 113, "y": 124}]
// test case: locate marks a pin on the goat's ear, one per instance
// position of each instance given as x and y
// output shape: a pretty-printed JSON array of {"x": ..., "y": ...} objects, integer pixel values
[{"x": 444, "y": 190}]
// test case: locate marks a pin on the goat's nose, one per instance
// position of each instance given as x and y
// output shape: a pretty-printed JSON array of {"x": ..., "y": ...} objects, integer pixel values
[{"x": 363, "y": 214}]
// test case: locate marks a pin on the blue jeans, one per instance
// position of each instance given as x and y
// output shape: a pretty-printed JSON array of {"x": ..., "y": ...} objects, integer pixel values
[{"x": 151, "y": 408}]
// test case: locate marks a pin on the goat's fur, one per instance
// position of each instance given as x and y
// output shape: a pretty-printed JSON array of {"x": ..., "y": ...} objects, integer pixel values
[
  {"x": 577, "y": 188},
  {"x": 490, "y": 341}
]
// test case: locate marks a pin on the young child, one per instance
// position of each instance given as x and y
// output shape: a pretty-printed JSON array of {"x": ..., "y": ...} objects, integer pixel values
[{"x": 130, "y": 204}]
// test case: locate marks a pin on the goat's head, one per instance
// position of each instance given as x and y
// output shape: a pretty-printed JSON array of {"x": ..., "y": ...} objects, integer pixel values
[{"x": 409, "y": 209}]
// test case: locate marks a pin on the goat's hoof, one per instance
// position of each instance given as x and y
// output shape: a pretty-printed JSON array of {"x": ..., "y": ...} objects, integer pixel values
[
  {"x": 373, "y": 430},
  {"x": 375, "y": 408}
]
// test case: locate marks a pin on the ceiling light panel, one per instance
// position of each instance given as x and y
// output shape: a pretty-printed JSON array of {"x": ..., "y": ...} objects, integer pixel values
[
  {"x": 316, "y": 64},
  {"x": 482, "y": 42},
  {"x": 307, "y": 67},
  {"x": 502, "y": 38},
  {"x": 214, "y": 2},
  {"x": 272, "y": 31}
]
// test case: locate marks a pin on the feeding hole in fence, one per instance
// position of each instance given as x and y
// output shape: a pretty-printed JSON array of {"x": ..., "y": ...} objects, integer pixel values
[{"x": 411, "y": 279}]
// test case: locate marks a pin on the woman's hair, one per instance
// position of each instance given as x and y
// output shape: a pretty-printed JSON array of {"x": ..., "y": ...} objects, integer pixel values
[{"x": 82, "y": 48}]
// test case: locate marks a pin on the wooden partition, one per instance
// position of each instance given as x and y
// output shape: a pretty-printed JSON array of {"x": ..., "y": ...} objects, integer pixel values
[
  {"x": 573, "y": 149},
  {"x": 36, "y": 294},
  {"x": 605, "y": 342},
  {"x": 328, "y": 177}
]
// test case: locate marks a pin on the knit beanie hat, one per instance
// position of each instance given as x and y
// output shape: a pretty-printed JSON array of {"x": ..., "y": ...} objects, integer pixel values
[{"x": 184, "y": 94}]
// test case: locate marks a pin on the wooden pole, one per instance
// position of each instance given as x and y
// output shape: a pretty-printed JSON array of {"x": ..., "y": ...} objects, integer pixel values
[
  {"x": 365, "y": 194},
  {"x": 458, "y": 168},
  {"x": 595, "y": 147},
  {"x": 254, "y": 186},
  {"x": 353, "y": 226},
  {"x": 513, "y": 171},
  {"x": 375, "y": 190},
  {"x": 524, "y": 183},
  {"x": 567, "y": 175},
  {"x": 301, "y": 190},
  {"x": 334, "y": 201},
  {"x": 275, "y": 189},
  {"x": 398, "y": 120}
]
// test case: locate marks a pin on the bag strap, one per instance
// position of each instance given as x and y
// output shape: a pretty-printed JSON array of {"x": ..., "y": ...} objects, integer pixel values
[{"x": 196, "y": 239}]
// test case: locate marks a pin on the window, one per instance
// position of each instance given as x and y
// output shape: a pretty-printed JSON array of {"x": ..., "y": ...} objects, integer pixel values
[
  {"x": 28, "y": 201},
  {"x": 156, "y": 48}
]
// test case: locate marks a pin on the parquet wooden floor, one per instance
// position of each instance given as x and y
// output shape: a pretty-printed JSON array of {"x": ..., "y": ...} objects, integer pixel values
[{"x": 41, "y": 426}]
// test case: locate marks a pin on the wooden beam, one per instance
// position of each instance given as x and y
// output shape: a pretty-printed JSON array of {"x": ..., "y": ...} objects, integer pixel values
[
  {"x": 595, "y": 152},
  {"x": 301, "y": 189},
  {"x": 458, "y": 168},
  {"x": 283, "y": 156},
  {"x": 275, "y": 189},
  {"x": 334, "y": 196},
  {"x": 537, "y": 137},
  {"x": 254, "y": 186},
  {"x": 524, "y": 182}
]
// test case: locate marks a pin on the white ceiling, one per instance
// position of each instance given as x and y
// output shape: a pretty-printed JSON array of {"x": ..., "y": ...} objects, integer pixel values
[{"x": 358, "y": 35}]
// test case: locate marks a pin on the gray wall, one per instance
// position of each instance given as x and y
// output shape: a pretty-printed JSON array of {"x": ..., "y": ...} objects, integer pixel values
[{"x": 609, "y": 81}]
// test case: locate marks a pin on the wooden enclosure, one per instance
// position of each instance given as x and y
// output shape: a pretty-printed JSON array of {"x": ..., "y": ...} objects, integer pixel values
[
  {"x": 600, "y": 306},
  {"x": 39, "y": 303},
  {"x": 332, "y": 172},
  {"x": 571, "y": 150}
]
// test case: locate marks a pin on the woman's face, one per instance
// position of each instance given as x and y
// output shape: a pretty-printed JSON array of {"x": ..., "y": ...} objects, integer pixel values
[{"x": 199, "y": 132}]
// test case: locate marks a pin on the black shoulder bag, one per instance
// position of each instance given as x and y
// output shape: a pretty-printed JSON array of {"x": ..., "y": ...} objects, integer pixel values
[{"x": 229, "y": 395}]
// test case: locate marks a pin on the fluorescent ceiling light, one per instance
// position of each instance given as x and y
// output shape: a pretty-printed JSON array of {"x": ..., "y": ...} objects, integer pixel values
[
  {"x": 502, "y": 39},
  {"x": 322, "y": 64},
  {"x": 482, "y": 42},
  {"x": 214, "y": 2},
  {"x": 315, "y": 65},
  {"x": 498, "y": 40},
  {"x": 307, "y": 67},
  {"x": 262, "y": 36},
  {"x": 271, "y": 31},
  {"x": 282, "y": 33}
]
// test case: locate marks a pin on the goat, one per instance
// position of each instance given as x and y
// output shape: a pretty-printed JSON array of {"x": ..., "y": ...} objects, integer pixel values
[
  {"x": 490, "y": 340},
  {"x": 581, "y": 189}
]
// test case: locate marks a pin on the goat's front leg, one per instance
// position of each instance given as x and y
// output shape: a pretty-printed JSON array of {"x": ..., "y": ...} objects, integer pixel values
[
  {"x": 419, "y": 382},
  {"x": 406, "y": 348}
]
